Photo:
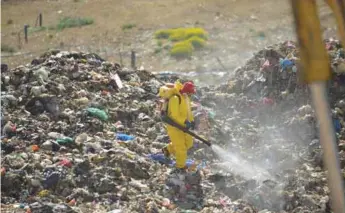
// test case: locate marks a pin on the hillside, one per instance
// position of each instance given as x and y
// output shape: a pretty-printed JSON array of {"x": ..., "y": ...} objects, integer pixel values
[{"x": 236, "y": 29}]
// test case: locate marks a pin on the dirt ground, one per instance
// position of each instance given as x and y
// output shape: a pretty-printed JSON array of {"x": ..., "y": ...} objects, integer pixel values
[{"x": 236, "y": 28}]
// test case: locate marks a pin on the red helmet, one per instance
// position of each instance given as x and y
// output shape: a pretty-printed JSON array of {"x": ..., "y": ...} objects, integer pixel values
[{"x": 188, "y": 87}]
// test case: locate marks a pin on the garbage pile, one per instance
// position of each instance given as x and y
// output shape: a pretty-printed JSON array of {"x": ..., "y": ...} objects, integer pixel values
[
  {"x": 273, "y": 126},
  {"x": 80, "y": 134}
]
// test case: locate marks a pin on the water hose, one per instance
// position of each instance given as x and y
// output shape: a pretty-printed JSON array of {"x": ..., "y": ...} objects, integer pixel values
[{"x": 171, "y": 122}]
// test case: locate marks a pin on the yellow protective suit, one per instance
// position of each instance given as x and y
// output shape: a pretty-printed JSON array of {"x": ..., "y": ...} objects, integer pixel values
[{"x": 179, "y": 112}]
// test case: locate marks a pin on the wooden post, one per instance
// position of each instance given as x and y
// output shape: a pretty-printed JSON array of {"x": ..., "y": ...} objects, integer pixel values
[
  {"x": 26, "y": 33},
  {"x": 40, "y": 19},
  {"x": 133, "y": 59},
  {"x": 120, "y": 55},
  {"x": 19, "y": 40}
]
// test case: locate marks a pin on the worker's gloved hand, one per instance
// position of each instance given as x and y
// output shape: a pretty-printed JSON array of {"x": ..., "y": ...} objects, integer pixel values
[
  {"x": 188, "y": 124},
  {"x": 192, "y": 125}
]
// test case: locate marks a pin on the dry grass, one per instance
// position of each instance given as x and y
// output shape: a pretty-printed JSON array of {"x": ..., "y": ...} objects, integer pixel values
[{"x": 122, "y": 25}]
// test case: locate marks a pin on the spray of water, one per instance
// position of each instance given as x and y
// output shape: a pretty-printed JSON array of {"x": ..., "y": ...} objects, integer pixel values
[{"x": 234, "y": 163}]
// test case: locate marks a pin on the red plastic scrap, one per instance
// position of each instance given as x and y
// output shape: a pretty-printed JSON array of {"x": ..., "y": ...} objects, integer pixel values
[
  {"x": 265, "y": 65},
  {"x": 65, "y": 162},
  {"x": 267, "y": 101},
  {"x": 223, "y": 202}
]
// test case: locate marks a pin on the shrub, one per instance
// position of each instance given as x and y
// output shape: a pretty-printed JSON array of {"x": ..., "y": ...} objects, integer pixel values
[
  {"x": 159, "y": 43},
  {"x": 162, "y": 34},
  {"x": 68, "y": 22},
  {"x": 197, "y": 42},
  {"x": 158, "y": 50},
  {"x": 182, "y": 49},
  {"x": 128, "y": 26},
  {"x": 7, "y": 48},
  {"x": 178, "y": 34},
  {"x": 167, "y": 47},
  {"x": 184, "y": 40},
  {"x": 199, "y": 32}
]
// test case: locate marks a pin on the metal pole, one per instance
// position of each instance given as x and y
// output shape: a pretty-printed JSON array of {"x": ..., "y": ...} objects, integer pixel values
[
  {"x": 40, "y": 19},
  {"x": 26, "y": 33},
  {"x": 133, "y": 59}
]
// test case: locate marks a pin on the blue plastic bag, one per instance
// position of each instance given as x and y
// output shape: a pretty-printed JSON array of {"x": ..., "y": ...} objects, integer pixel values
[
  {"x": 337, "y": 125},
  {"x": 162, "y": 159},
  {"x": 51, "y": 180},
  {"x": 123, "y": 137},
  {"x": 285, "y": 63}
]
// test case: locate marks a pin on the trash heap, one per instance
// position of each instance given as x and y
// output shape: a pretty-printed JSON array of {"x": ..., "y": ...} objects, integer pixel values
[
  {"x": 80, "y": 134},
  {"x": 273, "y": 126}
]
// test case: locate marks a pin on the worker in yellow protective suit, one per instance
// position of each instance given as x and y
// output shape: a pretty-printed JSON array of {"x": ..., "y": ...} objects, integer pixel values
[{"x": 179, "y": 110}]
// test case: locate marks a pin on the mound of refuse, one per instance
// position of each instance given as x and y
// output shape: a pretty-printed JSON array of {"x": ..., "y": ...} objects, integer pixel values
[{"x": 80, "y": 134}]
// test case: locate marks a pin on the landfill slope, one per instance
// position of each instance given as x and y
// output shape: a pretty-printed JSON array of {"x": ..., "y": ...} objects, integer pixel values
[{"x": 79, "y": 135}]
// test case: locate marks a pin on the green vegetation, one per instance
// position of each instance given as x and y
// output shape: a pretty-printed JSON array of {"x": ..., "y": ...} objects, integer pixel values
[
  {"x": 159, "y": 43},
  {"x": 7, "y": 48},
  {"x": 197, "y": 42},
  {"x": 128, "y": 26},
  {"x": 158, "y": 50},
  {"x": 180, "y": 34},
  {"x": 167, "y": 47},
  {"x": 162, "y": 34},
  {"x": 66, "y": 22},
  {"x": 182, "y": 49},
  {"x": 184, "y": 40},
  {"x": 36, "y": 29},
  {"x": 69, "y": 22}
]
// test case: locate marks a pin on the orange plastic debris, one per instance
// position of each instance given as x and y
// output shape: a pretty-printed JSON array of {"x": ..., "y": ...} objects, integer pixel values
[
  {"x": 105, "y": 92},
  {"x": 72, "y": 202},
  {"x": 3, "y": 171},
  {"x": 35, "y": 148}
]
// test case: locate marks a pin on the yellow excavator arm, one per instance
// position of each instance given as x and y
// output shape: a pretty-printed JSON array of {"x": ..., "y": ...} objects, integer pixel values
[{"x": 316, "y": 71}]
